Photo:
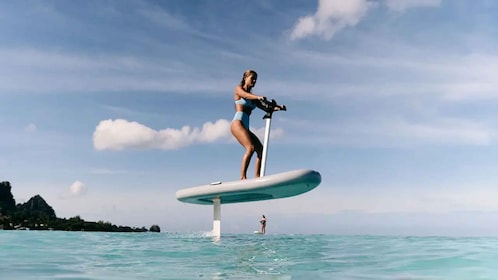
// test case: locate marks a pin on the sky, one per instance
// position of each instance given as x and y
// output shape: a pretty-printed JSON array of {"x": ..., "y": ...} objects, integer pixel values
[{"x": 110, "y": 107}]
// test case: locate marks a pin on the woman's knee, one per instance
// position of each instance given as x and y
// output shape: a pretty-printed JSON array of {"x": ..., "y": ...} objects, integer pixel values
[
  {"x": 258, "y": 148},
  {"x": 250, "y": 149}
]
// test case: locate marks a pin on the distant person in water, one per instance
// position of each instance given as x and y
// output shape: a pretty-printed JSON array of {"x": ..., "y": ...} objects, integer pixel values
[
  {"x": 263, "y": 224},
  {"x": 245, "y": 102}
]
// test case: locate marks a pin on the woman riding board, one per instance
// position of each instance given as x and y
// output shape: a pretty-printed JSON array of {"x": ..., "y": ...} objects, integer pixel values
[{"x": 244, "y": 104}]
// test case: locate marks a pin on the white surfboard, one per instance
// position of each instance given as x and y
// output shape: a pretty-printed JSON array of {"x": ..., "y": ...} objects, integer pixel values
[
  {"x": 258, "y": 232},
  {"x": 280, "y": 185}
]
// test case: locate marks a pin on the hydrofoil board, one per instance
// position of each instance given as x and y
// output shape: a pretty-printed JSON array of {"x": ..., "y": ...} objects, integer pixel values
[{"x": 280, "y": 185}]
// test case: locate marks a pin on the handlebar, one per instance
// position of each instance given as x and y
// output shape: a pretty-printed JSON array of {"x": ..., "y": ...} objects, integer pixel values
[{"x": 269, "y": 107}]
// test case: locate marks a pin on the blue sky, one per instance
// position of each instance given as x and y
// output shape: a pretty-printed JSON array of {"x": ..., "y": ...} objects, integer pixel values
[{"x": 110, "y": 107}]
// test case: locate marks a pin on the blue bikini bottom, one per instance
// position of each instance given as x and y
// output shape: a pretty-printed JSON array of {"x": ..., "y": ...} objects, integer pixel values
[{"x": 242, "y": 116}]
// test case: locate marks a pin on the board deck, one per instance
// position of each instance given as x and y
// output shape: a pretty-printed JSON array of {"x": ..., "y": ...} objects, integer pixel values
[{"x": 280, "y": 185}]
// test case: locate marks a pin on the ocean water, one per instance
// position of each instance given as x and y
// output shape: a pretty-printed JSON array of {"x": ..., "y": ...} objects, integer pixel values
[{"x": 96, "y": 255}]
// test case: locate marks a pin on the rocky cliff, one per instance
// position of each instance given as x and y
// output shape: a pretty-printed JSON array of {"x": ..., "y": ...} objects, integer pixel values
[{"x": 36, "y": 214}]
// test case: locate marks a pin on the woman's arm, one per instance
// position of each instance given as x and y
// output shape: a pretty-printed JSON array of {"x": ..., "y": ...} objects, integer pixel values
[{"x": 247, "y": 95}]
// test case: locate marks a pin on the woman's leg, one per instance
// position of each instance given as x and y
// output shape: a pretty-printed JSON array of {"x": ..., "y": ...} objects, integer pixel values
[
  {"x": 258, "y": 148},
  {"x": 243, "y": 136}
]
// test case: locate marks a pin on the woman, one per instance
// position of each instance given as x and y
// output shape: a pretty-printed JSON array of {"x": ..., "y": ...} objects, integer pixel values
[
  {"x": 263, "y": 224},
  {"x": 244, "y": 104}
]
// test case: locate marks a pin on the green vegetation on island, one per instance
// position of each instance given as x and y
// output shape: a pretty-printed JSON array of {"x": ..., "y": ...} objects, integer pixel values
[{"x": 36, "y": 214}]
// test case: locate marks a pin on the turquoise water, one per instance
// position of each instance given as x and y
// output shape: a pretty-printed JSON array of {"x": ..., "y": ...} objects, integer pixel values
[{"x": 91, "y": 255}]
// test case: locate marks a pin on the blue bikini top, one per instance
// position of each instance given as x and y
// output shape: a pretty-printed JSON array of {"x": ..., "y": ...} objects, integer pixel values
[{"x": 246, "y": 103}]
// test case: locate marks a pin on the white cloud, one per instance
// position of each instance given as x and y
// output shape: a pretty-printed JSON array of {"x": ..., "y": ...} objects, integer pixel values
[
  {"x": 335, "y": 15},
  {"x": 122, "y": 134},
  {"x": 402, "y": 5},
  {"x": 77, "y": 188},
  {"x": 331, "y": 16}
]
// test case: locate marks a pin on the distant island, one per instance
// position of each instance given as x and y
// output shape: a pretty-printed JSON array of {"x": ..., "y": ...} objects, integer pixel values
[{"x": 36, "y": 214}]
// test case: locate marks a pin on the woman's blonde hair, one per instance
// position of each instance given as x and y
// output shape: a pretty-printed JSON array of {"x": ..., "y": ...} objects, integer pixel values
[{"x": 248, "y": 73}]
